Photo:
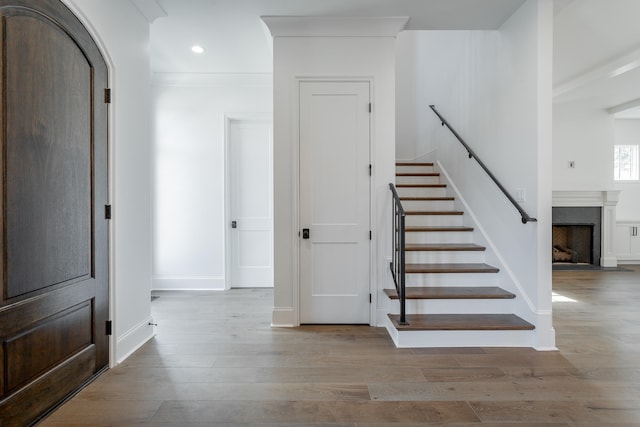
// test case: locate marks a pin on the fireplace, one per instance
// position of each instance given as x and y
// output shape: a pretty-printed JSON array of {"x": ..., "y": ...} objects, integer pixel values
[
  {"x": 597, "y": 207},
  {"x": 576, "y": 235}
]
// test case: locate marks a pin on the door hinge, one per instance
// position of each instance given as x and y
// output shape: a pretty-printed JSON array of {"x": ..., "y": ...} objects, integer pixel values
[
  {"x": 107, "y": 211},
  {"x": 369, "y": 298},
  {"x": 108, "y": 327},
  {"x": 370, "y": 107},
  {"x": 107, "y": 96},
  {"x": 370, "y": 235},
  {"x": 370, "y": 169}
]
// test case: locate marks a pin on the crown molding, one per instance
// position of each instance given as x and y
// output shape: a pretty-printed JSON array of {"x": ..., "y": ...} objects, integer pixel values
[{"x": 320, "y": 26}]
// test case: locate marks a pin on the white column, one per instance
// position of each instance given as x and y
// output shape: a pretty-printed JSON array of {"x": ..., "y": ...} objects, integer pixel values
[{"x": 607, "y": 255}]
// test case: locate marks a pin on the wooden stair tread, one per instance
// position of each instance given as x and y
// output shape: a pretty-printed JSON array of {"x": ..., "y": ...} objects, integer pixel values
[
  {"x": 421, "y": 185},
  {"x": 413, "y": 164},
  {"x": 435, "y": 229},
  {"x": 426, "y": 199},
  {"x": 450, "y": 268},
  {"x": 444, "y": 247},
  {"x": 417, "y": 174},
  {"x": 434, "y": 213},
  {"x": 452, "y": 292},
  {"x": 461, "y": 322}
]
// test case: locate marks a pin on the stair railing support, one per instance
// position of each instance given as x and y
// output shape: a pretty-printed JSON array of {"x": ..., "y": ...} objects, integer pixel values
[{"x": 397, "y": 264}]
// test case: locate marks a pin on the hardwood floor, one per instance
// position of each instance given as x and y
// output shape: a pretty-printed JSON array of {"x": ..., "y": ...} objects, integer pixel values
[{"x": 217, "y": 362}]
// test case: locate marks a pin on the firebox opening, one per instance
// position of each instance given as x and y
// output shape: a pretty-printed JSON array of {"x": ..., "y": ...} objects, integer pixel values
[{"x": 573, "y": 243}]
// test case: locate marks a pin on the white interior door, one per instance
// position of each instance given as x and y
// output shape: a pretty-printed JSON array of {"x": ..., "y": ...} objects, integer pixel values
[
  {"x": 334, "y": 202},
  {"x": 251, "y": 211}
]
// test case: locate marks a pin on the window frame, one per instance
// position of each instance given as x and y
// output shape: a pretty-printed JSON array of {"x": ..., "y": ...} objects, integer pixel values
[{"x": 634, "y": 163}]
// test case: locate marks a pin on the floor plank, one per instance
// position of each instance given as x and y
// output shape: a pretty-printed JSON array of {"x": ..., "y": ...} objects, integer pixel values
[{"x": 217, "y": 362}]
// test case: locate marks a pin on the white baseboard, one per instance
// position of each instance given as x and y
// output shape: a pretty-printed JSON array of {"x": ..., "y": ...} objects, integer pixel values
[
  {"x": 188, "y": 284},
  {"x": 283, "y": 318},
  {"x": 133, "y": 339}
]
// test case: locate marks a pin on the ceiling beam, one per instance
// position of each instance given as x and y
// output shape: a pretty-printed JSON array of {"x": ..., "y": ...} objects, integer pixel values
[{"x": 611, "y": 69}]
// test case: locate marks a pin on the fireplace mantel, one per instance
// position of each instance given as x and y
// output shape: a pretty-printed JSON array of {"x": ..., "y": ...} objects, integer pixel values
[{"x": 607, "y": 200}]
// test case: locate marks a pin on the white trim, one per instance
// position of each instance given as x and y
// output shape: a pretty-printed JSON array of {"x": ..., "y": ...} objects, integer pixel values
[
  {"x": 134, "y": 339},
  {"x": 111, "y": 76},
  {"x": 284, "y": 318},
  {"x": 212, "y": 79},
  {"x": 188, "y": 283},
  {"x": 572, "y": 199},
  {"x": 335, "y": 26}
]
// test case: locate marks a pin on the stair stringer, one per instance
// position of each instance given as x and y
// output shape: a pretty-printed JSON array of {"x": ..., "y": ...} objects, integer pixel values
[{"x": 522, "y": 305}]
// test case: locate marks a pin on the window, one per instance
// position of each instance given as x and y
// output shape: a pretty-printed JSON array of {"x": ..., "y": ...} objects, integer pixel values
[{"x": 626, "y": 163}]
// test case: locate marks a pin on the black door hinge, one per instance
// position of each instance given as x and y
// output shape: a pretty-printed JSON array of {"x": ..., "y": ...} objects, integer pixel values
[
  {"x": 107, "y": 96},
  {"x": 370, "y": 169},
  {"x": 369, "y": 298},
  {"x": 108, "y": 327},
  {"x": 370, "y": 107},
  {"x": 370, "y": 235},
  {"x": 107, "y": 211}
]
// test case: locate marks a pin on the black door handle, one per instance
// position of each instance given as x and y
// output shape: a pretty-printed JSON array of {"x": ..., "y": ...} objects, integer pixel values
[
  {"x": 305, "y": 233},
  {"x": 234, "y": 224}
]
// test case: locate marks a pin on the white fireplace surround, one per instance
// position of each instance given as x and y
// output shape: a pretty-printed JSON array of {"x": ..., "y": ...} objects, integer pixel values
[{"x": 607, "y": 200}]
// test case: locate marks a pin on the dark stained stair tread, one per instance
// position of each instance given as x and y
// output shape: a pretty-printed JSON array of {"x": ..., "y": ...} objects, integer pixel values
[
  {"x": 450, "y": 268},
  {"x": 434, "y": 213},
  {"x": 444, "y": 247},
  {"x": 425, "y": 199},
  {"x": 417, "y": 174},
  {"x": 452, "y": 292},
  {"x": 421, "y": 185},
  {"x": 413, "y": 164},
  {"x": 461, "y": 322},
  {"x": 435, "y": 229}
]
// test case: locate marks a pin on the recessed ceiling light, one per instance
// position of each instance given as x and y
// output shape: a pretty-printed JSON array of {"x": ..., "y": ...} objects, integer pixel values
[{"x": 197, "y": 49}]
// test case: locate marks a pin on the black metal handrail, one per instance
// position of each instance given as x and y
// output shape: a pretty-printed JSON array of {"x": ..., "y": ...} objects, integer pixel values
[
  {"x": 472, "y": 155},
  {"x": 397, "y": 260}
]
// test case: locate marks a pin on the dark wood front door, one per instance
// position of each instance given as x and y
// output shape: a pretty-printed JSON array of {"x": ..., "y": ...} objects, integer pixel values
[{"x": 54, "y": 287}]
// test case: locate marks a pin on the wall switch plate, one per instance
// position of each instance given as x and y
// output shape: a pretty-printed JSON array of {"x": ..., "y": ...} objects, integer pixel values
[{"x": 520, "y": 195}]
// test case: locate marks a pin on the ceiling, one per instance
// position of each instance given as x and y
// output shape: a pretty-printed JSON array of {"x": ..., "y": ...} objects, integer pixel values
[
  {"x": 596, "y": 42},
  {"x": 236, "y": 41}
]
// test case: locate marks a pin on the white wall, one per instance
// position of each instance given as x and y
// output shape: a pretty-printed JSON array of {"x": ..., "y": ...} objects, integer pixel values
[
  {"x": 494, "y": 87},
  {"x": 295, "y": 57},
  {"x": 123, "y": 34},
  {"x": 189, "y": 113},
  {"x": 627, "y": 132},
  {"x": 585, "y": 136}
]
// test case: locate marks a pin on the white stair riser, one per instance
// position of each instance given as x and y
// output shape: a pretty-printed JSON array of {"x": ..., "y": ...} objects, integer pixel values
[
  {"x": 417, "y": 180},
  {"x": 422, "y": 192},
  {"x": 452, "y": 279},
  {"x": 433, "y": 220},
  {"x": 455, "y": 306},
  {"x": 415, "y": 169},
  {"x": 439, "y": 237},
  {"x": 418, "y": 339},
  {"x": 432, "y": 205},
  {"x": 415, "y": 257}
]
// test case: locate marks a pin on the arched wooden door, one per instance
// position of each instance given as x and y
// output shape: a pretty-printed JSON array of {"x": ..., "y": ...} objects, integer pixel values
[{"x": 54, "y": 285}]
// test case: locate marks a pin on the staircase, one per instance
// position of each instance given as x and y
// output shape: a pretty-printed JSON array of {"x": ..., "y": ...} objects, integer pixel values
[{"x": 452, "y": 295}]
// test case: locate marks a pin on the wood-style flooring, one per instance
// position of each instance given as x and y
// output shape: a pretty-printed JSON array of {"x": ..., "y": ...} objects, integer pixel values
[{"x": 217, "y": 362}]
